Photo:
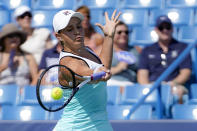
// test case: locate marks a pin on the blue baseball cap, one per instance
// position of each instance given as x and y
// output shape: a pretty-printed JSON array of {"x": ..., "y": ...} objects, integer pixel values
[{"x": 163, "y": 19}]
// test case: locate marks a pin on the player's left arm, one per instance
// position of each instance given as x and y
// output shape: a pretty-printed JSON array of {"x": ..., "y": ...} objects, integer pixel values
[{"x": 108, "y": 30}]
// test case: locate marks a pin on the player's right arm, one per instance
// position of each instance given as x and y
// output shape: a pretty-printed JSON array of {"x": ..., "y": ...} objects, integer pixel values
[
  {"x": 76, "y": 65},
  {"x": 80, "y": 68}
]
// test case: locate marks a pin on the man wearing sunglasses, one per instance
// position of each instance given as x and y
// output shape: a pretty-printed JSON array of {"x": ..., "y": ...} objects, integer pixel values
[{"x": 156, "y": 58}]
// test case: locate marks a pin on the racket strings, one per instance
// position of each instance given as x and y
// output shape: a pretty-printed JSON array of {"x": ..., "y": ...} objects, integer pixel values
[{"x": 51, "y": 79}]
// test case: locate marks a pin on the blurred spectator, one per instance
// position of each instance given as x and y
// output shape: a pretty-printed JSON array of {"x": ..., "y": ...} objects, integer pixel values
[
  {"x": 156, "y": 58},
  {"x": 38, "y": 38},
  {"x": 50, "y": 57},
  {"x": 92, "y": 39},
  {"x": 16, "y": 66},
  {"x": 124, "y": 62}
]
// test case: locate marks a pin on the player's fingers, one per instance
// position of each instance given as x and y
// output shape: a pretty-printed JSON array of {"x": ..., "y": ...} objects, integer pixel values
[
  {"x": 117, "y": 22},
  {"x": 107, "y": 76},
  {"x": 116, "y": 18},
  {"x": 113, "y": 15},
  {"x": 105, "y": 70},
  {"x": 106, "y": 16},
  {"x": 99, "y": 25}
]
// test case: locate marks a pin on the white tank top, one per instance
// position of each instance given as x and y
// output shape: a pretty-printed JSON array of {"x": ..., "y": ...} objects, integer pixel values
[{"x": 92, "y": 65}]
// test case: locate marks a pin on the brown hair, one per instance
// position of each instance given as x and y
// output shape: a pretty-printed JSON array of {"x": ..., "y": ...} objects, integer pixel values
[{"x": 83, "y": 9}]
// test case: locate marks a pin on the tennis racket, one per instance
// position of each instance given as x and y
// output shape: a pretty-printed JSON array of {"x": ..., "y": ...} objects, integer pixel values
[{"x": 60, "y": 76}]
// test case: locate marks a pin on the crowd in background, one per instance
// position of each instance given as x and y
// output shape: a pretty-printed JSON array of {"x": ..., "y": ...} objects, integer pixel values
[{"x": 26, "y": 51}]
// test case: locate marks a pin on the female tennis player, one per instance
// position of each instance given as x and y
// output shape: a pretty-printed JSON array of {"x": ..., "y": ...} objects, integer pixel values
[{"x": 87, "y": 109}]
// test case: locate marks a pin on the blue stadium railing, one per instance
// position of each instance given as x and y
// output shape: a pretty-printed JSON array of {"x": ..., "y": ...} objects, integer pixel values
[{"x": 157, "y": 83}]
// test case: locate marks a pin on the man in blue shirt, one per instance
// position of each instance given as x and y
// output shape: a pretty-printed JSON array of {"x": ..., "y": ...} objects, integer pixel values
[{"x": 157, "y": 57}]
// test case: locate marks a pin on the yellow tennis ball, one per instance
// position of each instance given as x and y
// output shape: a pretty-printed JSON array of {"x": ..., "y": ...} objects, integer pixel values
[{"x": 56, "y": 93}]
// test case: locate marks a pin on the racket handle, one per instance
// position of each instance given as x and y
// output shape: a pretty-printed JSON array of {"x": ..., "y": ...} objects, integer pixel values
[{"x": 97, "y": 76}]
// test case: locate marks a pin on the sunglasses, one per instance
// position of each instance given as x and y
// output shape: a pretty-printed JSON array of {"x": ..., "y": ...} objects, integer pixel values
[
  {"x": 25, "y": 14},
  {"x": 126, "y": 32},
  {"x": 12, "y": 35},
  {"x": 167, "y": 27}
]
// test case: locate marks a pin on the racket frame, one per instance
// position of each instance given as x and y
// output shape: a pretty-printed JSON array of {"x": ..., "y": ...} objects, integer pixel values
[
  {"x": 74, "y": 87},
  {"x": 38, "y": 85}
]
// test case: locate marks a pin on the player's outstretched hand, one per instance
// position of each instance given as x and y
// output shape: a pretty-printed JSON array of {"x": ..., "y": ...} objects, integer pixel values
[{"x": 110, "y": 25}]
